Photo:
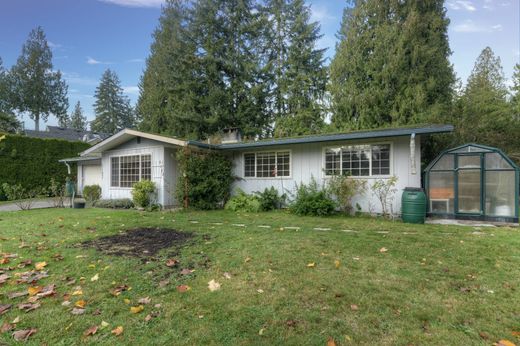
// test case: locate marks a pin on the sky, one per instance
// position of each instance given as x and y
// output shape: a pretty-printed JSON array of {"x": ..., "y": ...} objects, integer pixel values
[{"x": 89, "y": 36}]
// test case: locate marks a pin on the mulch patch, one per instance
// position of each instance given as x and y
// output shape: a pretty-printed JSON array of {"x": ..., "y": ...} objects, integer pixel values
[{"x": 140, "y": 242}]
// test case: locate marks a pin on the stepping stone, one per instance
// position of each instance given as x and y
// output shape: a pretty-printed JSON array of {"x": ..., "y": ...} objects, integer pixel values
[
  {"x": 292, "y": 227},
  {"x": 238, "y": 225},
  {"x": 382, "y": 232},
  {"x": 348, "y": 231},
  {"x": 264, "y": 226},
  {"x": 409, "y": 232},
  {"x": 216, "y": 223},
  {"x": 321, "y": 229},
  {"x": 194, "y": 221}
]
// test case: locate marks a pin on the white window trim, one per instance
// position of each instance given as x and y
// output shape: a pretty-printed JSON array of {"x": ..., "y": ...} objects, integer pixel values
[
  {"x": 140, "y": 170},
  {"x": 370, "y": 176},
  {"x": 268, "y": 151}
]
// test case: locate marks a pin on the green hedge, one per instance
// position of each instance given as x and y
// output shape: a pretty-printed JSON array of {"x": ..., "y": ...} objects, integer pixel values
[{"x": 32, "y": 162}]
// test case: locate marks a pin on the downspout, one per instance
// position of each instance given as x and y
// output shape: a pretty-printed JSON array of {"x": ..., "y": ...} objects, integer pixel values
[
  {"x": 68, "y": 167},
  {"x": 413, "y": 167}
]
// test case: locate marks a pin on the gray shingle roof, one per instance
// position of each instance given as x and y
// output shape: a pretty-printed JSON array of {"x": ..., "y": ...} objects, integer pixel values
[{"x": 56, "y": 132}]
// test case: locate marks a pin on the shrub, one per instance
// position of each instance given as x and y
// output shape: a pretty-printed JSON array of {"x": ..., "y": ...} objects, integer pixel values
[
  {"x": 344, "y": 188},
  {"x": 57, "y": 192},
  {"x": 3, "y": 196},
  {"x": 143, "y": 193},
  {"x": 269, "y": 199},
  {"x": 123, "y": 203},
  {"x": 384, "y": 190},
  {"x": 32, "y": 162},
  {"x": 241, "y": 201},
  {"x": 205, "y": 179},
  {"x": 311, "y": 200},
  {"x": 22, "y": 198},
  {"x": 92, "y": 194}
]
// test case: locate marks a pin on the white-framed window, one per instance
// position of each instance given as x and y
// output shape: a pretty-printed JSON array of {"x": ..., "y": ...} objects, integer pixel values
[
  {"x": 358, "y": 160},
  {"x": 267, "y": 164},
  {"x": 128, "y": 170}
]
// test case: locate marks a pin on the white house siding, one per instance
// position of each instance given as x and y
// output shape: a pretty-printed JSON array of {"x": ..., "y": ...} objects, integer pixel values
[
  {"x": 307, "y": 161},
  {"x": 89, "y": 173},
  {"x": 132, "y": 147}
]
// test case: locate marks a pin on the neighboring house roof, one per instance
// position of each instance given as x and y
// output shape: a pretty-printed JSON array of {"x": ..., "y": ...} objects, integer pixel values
[
  {"x": 127, "y": 134},
  {"x": 68, "y": 134}
]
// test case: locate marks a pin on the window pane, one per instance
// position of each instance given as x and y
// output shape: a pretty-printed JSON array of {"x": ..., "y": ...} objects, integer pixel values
[
  {"x": 265, "y": 164},
  {"x": 441, "y": 192},
  {"x": 146, "y": 167},
  {"x": 469, "y": 191},
  {"x": 496, "y": 161},
  {"x": 283, "y": 164},
  {"x": 500, "y": 196},
  {"x": 445, "y": 163},
  {"x": 332, "y": 161},
  {"x": 249, "y": 165},
  {"x": 114, "y": 177},
  {"x": 129, "y": 170},
  {"x": 469, "y": 161}
]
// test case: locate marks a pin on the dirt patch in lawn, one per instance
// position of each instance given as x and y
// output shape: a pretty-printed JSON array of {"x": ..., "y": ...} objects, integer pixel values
[{"x": 140, "y": 242}]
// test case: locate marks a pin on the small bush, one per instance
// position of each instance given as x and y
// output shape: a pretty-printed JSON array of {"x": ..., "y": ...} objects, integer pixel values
[
  {"x": 269, "y": 199},
  {"x": 143, "y": 193},
  {"x": 3, "y": 196},
  {"x": 57, "y": 192},
  {"x": 22, "y": 198},
  {"x": 311, "y": 200},
  {"x": 344, "y": 188},
  {"x": 123, "y": 203},
  {"x": 241, "y": 201},
  {"x": 92, "y": 194},
  {"x": 384, "y": 190}
]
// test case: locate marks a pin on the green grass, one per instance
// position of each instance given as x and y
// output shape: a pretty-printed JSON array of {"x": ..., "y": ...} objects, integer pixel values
[{"x": 436, "y": 285}]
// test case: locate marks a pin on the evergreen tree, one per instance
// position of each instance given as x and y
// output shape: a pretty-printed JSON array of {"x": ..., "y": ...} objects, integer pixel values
[
  {"x": 515, "y": 99},
  {"x": 484, "y": 115},
  {"x": 8, "y": 121},
  {"x": 299, "y": 77},
  {"x": 112, "y": 107},
  {"x": 64, "y": 121},
  {"x": 37, "y": 89},
  {"x": 392, "y": 65},
  {"x": 77, "y": 120}
]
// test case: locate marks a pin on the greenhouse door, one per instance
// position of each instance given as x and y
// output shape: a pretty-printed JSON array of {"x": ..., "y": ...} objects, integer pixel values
[{"x": 469, "y": 184}]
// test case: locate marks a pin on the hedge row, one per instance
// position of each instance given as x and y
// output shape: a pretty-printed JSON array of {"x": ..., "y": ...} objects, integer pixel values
[{"x": 32, "y": 162}]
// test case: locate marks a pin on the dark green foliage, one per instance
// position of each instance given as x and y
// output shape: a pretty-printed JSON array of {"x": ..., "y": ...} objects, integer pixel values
[
  {"x": 205, "y": 179},
  {"x": 122, "y": 203},
  {"x": 241, "y": 201},
  {"x": 92, "y": 194},
  {"x": 391, "y": 66},
  {"x": 143, "y": 193},
  {"x": 515, "y": 99},
  {"x": 8, "y": 121},
  {"x": 77, "y": 120},
  {"x": 312, "y": 200},
  {"x": 112, "y": 107},
  {"x": 32, "y": 162},
  {"x": 3, "y": 195},
  {"x": 36, "y": 88},
  {"x": 270, "y": 199}
]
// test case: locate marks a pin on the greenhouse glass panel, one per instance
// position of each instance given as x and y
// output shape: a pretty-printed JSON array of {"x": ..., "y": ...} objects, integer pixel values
[
  {"x": 469, "y": 191},
  {"x": 469, "y": 161},
  {"x": 441, "y": 192},
  {"x": 500, "y": 197},
  {"x": 470, "y": 149},
  {"x": 496, "y": 161},
  {"x": 445, "y": 163}
]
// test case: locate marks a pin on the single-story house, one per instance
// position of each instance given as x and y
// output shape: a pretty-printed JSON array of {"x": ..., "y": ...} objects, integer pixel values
[{"x": 119, "y": 161}]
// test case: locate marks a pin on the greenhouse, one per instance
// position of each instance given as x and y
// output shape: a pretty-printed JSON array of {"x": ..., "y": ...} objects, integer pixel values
[{"x": 473, "y": 182}]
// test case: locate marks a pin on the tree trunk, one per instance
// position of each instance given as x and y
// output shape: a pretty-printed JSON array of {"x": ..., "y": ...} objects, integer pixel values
[{"x": 37, "y": 122}]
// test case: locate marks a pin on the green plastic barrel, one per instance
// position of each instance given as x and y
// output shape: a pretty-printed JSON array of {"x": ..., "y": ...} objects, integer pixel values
[{"x": 413, "y": 207}]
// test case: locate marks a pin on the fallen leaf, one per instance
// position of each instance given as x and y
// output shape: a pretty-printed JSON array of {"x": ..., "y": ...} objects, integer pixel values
[
  {"x": 136, "y": 309},
  {"x": 172, "y": 262},
  {"x": 127, "y": 301},
  {"x": 104, "y": 325},
  {"x": 121, "y": 288},
  {"x": 505, "y": 342},
  {"x": 95, "y": 278},
  {"x": 186, "y": 271},
  {"x": 183, "y": 288},
  {"x": 6, "y": 327},
  {"x": 40, "y": 265},
  {"x": 331, "y": 342},
  {"x": 77, "y": 311},
  {"x": 80, "y": 304},
  {"x": 337, "y": 263},
  {"x": 148, "y": 318},
  {"x": 483, "y": 335},
  {"x": 4, "y": 278},
  {"x": 260, "y": 290},
  {"x": 28, "y": 306},
  {"x": 34, "y": 290},
  {"x": 66, "y": 303},
  {"x": 248, "y": 259},
  {"x": 227, "y": 275},
  {"x": 117, "y": 331},
  {"x": 47, "y": 291},
  {"x": 291, "y": 323},
  {"x": 16, "y": 320},
  {"x": 213, "y": 285},
  {"x": 261, "y": 331},
  {"x": 57, "y": 257},
  {"x": 24, "y": 263},
  {"x": 91, "y": 331},
  {"x": 4, "y": 260},
  {"x": 383, "y": 250},
  {"x": 164, "y": 283},
  {"x": 13, "y": 295},
  {"x": 514, "y": 333},
  {"x": 22, "y": 335},
  {"x": 96, "y": 312},
  {"x": 354, "y": 307},
  {"x": 311, "y": 265},
  {"x": 145, "y": 300}
]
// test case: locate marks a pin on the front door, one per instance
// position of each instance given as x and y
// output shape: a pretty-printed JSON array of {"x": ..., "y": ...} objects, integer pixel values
[{"x": 469, "y": 182}]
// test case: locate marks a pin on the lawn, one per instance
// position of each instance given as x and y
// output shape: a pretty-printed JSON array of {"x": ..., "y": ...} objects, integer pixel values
[{"x": 301, "y": 281}]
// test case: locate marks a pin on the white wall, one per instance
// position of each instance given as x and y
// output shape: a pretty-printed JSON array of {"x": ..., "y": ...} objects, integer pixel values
[
  {"x": 89, "y": 173},
  {"x": 307, "y": 160}
]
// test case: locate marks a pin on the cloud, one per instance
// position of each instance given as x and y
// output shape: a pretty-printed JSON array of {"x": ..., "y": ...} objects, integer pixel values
[
  {"x": 136, "y": 3},
  {"x": 465, "y": 5},
  {"x": 74, "y": 78},
  {"x": 92, "y": 61},
  {"x": 469, "y": 26},
  {"x": 320, "y": 14},
  {"x": 53, "y": 45},
  {"x": 131, "y": 90},
  {"x": 135, "y": 60}
]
